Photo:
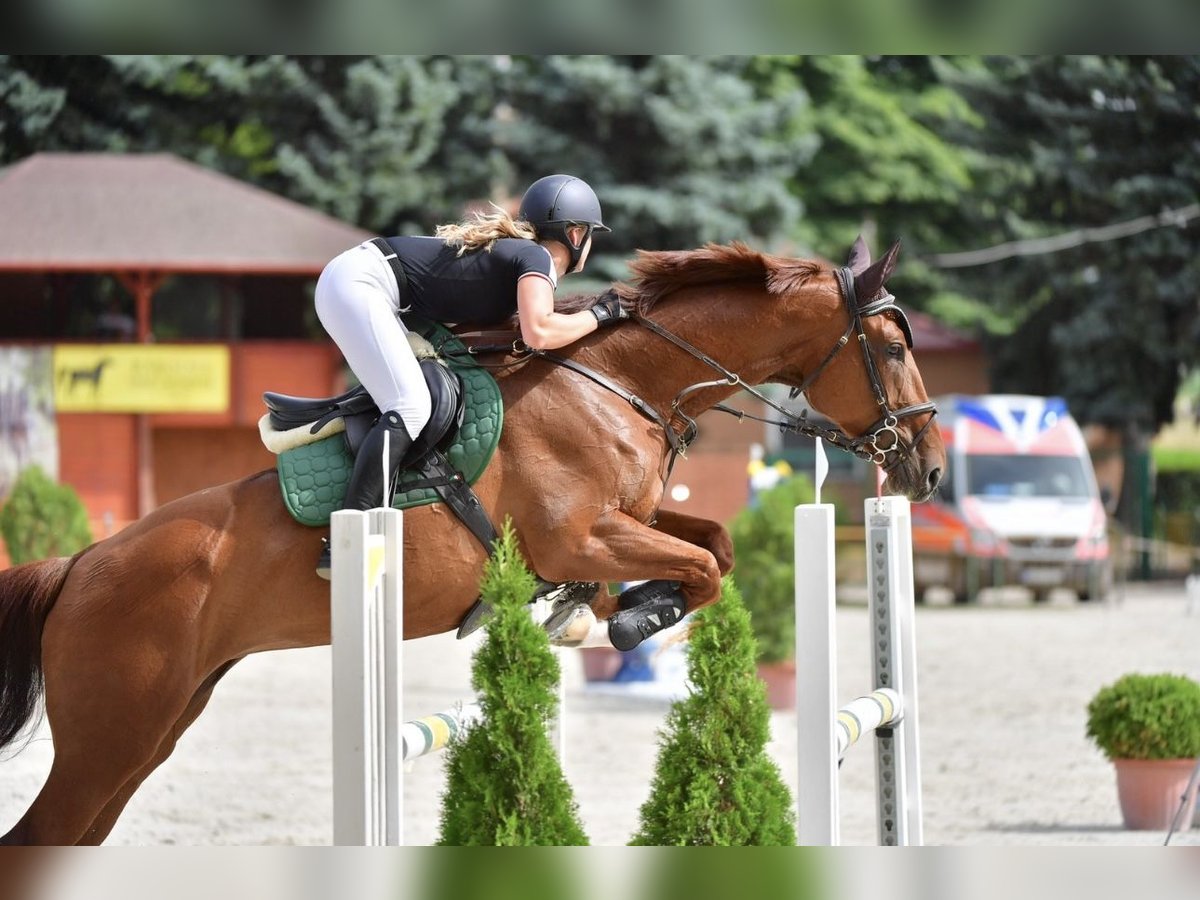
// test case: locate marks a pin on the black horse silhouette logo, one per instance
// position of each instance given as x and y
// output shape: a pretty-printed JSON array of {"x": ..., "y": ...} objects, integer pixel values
[{"x": 73, "y": 377}]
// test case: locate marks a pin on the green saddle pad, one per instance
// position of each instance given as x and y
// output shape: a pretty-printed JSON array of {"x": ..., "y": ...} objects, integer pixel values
[{"x": 313, "y": 478}]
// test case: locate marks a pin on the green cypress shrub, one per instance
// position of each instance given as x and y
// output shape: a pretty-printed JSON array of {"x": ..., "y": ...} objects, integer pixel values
[
  {"x": 505, "y": 786},
  {"x": 41, "y": 519},
  {"x": 714, "y": 783}
]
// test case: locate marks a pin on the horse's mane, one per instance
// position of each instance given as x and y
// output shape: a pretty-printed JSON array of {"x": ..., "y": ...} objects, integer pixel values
[{"x": 658, "y": 273}]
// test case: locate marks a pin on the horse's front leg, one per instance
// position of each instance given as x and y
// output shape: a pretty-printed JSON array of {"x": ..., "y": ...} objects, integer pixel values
[
  {"x": 704, "y": 533},
  {"x": 682, "y": 577}
]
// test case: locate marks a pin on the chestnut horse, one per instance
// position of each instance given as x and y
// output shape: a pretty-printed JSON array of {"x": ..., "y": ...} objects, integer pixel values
[{"x": 129, "y": 637}]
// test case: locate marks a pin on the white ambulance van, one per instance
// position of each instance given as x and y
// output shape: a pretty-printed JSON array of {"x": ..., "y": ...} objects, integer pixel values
[{"x": 1019, "y": 505}]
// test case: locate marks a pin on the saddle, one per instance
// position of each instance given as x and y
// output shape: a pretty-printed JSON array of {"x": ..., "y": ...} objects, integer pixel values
[
  {"x": 317, "y": 439},
  {"x": 358, "y": 412}
]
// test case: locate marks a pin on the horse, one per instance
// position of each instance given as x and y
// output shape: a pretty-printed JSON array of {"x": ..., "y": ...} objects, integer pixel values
[{"x": 127, "y": 639}]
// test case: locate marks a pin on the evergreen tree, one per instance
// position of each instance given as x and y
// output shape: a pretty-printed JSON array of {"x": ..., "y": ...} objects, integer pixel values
[
  {"x": 681, "y": 150},
  {"x": 714, "y": 784},
  {"x": 1070, "y": 143},
  {"x": 505, "y": 786},
  {"x": 880, "y": 168}
]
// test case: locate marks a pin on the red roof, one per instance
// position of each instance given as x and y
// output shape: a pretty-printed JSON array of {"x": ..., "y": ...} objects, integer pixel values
[
  {"x": 931, "y": 335},
  {"x": 108, "y": 211}
]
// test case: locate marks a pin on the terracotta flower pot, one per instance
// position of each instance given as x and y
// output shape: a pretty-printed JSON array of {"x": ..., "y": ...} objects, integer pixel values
[
  {"x": 600, "y": 663},
  {"x": 780, "y": 678},
  {"x": 1149, "y": 792}
]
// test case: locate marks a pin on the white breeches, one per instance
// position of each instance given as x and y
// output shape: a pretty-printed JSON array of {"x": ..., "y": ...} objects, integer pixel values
[{"x": 357, "y": 302}]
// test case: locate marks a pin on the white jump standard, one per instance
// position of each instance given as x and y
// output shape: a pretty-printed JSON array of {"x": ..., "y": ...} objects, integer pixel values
[
  {"x": 826, "y": 732},
  {"x": 367, "y": 625}
]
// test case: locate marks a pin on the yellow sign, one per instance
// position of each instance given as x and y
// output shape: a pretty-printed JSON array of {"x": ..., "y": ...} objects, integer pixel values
[{"x": 141, "y": 378}]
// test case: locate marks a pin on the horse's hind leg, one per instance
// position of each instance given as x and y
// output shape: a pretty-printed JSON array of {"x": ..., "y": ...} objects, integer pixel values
[
  {"x": 104, "y": 823},
  {"x": 86, "y": 774},
  {"x": 109, "y": 709}
]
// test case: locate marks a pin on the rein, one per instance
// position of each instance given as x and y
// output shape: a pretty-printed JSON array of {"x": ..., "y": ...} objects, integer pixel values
[{"x": 881, "y": 444}]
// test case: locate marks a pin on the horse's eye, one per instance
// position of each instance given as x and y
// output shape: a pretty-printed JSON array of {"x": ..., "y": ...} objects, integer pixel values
[{"x": 895, "y": 350}]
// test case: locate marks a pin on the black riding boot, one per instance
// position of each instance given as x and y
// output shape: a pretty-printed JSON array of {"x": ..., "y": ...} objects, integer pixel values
[{"x": 365, "y": 490}]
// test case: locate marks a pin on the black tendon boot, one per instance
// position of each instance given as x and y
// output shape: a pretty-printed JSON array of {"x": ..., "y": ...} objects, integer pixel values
[
  {"x": 365, "y": 490},
  {"x": 645, "y": 610}
]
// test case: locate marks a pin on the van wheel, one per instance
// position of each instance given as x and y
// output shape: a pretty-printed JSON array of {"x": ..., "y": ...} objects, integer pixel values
[{"x": 958, "y": 582}]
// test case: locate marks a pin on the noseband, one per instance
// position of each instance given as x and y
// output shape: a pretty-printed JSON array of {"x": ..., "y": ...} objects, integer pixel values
[{"x": 882, "y": 443}]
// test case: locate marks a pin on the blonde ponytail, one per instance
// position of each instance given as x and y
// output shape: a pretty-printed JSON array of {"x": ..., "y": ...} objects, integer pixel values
[{"x": 482, "y": 230}]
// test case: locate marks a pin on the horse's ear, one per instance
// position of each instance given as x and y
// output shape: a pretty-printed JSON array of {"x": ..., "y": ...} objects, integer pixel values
[
  {"x": 869, "y": 282},
  {"x": 889, "y": 259},
  {"x": 860, "y": 256}
]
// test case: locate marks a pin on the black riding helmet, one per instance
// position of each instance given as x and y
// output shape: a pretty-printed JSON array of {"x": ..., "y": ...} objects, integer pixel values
[{"x": 555, "y": 203}]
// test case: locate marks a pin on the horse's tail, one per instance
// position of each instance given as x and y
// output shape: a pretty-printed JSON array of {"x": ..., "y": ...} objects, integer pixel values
[{"x": 27, "y": 593}]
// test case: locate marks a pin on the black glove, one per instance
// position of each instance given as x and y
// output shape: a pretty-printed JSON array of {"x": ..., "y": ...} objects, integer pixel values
[{"x": 608, "y": 309}]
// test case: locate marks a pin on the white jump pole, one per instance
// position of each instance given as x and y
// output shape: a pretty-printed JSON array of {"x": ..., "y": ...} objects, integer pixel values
[
  {"x": 816, "y": 677},
  {"x": 367, "y": 625}
]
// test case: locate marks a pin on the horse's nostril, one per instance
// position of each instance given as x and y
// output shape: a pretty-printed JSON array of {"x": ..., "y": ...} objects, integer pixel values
[{"x": 934, "y": 479}]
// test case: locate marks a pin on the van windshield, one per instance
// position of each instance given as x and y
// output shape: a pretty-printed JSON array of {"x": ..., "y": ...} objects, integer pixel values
[{"x": 1026, "y": 476}]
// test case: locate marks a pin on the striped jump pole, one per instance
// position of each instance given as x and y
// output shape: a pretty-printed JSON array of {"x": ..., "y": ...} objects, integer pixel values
[
  {"x": 420, "y": 737},
  {"x": 826, "y": 732},
  {"x": 872, "y": 712}
]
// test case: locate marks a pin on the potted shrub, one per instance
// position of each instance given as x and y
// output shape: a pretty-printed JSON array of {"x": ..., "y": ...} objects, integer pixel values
[
  {"x": 763, "y": 536},
  {"x": 1149, "y": 726},
  {"x": 41, "y": 518}
]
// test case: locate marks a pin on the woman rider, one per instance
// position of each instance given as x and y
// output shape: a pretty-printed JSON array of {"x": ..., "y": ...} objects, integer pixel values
[{"x": 478, "y": 272}]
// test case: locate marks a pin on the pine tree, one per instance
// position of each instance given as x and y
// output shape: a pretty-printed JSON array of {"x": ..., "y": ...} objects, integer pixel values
[
  {"x": 504, "y": 783},
  {"x": 681, "y": 149},
  {"x": 714, "y": 784}
]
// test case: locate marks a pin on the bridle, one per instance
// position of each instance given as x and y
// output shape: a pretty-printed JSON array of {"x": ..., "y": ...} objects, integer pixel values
[
  {"x": 882, "y": 442},
  {"x": 870, "y": 445}
]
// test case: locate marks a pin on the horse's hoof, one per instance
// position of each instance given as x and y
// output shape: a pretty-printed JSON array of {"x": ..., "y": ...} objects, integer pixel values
[
  {"x": 570, "y": 624},
  {"x": 566, "y": 592},
  {"x": 629, "y": 627}
]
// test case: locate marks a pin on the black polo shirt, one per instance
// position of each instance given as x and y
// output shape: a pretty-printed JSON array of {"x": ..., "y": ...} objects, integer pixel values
[{"x": 477, "y": 288}]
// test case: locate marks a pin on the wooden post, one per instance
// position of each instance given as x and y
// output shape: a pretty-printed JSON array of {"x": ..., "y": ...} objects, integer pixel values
[{"x": 142, "y": 284}]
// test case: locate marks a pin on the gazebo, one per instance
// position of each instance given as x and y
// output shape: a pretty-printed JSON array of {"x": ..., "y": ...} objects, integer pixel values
[{"x": 143, "y": 218}]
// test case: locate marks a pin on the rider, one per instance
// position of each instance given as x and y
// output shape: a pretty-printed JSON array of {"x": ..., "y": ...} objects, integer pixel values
[{"x": 480, "y": 272}]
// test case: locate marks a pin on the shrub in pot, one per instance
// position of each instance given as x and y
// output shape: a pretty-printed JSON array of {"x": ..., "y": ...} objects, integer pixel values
[
  {"x": 1149, "y": 726},
  {"x": 763, "y": 545},
  {"x": 41, "y": 518}
]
